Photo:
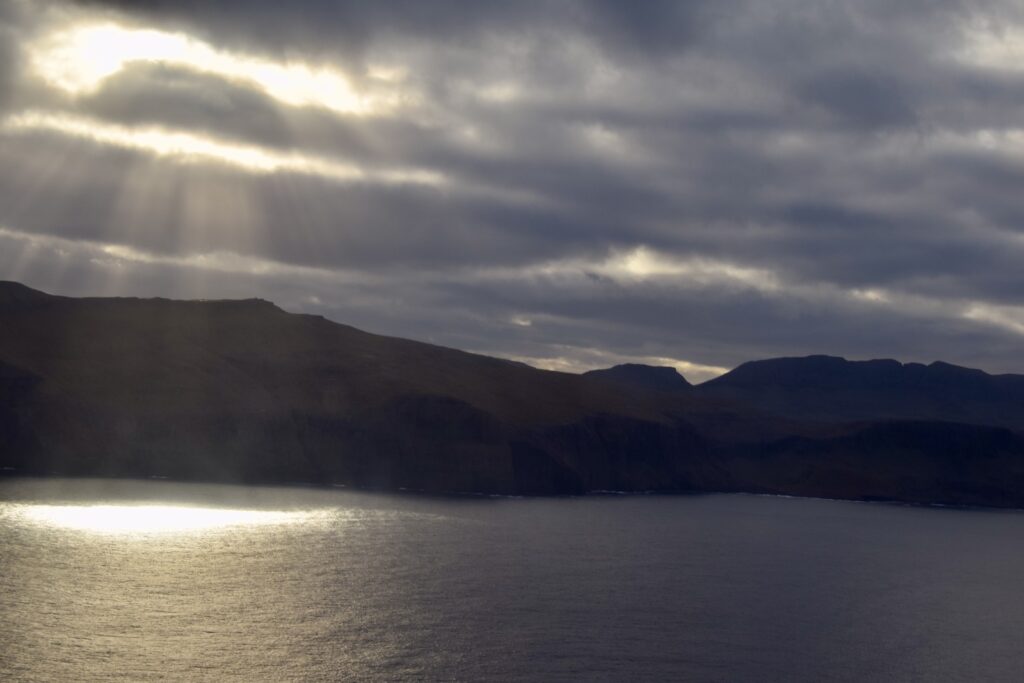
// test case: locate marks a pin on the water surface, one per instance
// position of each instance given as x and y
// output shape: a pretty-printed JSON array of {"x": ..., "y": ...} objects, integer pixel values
[{"x": 157, "y": 581}]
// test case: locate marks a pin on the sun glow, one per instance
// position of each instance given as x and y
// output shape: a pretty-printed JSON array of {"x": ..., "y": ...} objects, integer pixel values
[
  {"x": 642, "y": 263},
  {"x": 152, "y": 519},
  {"x": 993, "y": 46},
  {"x": 79, "y": 59}
]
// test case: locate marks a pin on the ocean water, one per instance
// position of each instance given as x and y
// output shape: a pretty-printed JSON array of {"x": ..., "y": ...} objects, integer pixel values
[{"x": 143, "y": 581}]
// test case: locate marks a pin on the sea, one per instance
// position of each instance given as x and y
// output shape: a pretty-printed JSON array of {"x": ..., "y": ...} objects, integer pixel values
[{"x": 106, "y": 580}]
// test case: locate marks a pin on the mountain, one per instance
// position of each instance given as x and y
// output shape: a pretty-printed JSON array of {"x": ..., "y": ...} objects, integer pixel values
[
  {"x": 830, "y": 388},
  {"x": 642, "y": 377},
  {"x": 240, "y": 390}
]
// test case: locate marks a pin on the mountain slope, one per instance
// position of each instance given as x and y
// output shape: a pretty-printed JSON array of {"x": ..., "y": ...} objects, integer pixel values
[{"x": 243, "y": 391}]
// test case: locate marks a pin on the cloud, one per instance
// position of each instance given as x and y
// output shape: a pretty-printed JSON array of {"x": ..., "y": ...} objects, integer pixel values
[
  {"x": 10, "y": 54},
  {"x": 80, "y": 58},
  {"x": 570, "y": 182},
  {"x": 188, "y": 148}
]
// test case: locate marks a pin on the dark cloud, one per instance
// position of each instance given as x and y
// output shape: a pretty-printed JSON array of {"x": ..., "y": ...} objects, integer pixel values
[
  {"x": 10, "y": 54},
  {"x": 350, "y": 26},
  {"x": 862, "y": 98},
  {"x": 849, "y": 171},
  {"x": 147, "y": 94}
]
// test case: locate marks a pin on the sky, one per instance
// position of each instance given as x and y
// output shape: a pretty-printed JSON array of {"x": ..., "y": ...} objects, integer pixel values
[{"x": 571, "y": 184}]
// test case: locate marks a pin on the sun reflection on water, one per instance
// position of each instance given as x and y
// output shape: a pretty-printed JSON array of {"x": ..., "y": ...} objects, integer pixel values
[{"x": 152, "y": 519}]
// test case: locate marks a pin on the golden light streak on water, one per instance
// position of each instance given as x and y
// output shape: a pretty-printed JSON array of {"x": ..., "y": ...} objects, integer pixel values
[{"x": 152, "y": 519}]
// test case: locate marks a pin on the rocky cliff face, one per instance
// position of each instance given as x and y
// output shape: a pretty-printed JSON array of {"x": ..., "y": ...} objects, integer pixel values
[{"x": 243, "y": 391}]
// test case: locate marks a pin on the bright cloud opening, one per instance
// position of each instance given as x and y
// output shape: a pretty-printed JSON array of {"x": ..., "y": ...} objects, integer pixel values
[{"x": 79, "y": 59}]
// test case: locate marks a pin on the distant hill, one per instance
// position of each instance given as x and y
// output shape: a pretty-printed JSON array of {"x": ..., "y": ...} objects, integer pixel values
[
  {"x": 642, "y": 377},
  {"x": 830, "y": 388},
  {"x": 243, "y": 391}
]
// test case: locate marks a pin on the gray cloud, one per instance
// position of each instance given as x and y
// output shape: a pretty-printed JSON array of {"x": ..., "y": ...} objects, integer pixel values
[{"x": 851, "y": 171}]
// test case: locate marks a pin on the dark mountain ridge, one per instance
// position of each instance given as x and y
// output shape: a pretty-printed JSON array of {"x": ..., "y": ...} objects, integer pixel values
[
  {"x": 827, "y": 387},
  {"x": 243, "y": 391}
]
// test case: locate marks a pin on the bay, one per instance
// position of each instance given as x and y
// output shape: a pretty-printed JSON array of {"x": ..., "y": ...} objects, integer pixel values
[{"x": 143, "y": 581}]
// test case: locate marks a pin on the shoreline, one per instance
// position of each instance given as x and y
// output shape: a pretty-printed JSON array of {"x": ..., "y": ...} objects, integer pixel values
[{"x": 10, "y": 474}]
